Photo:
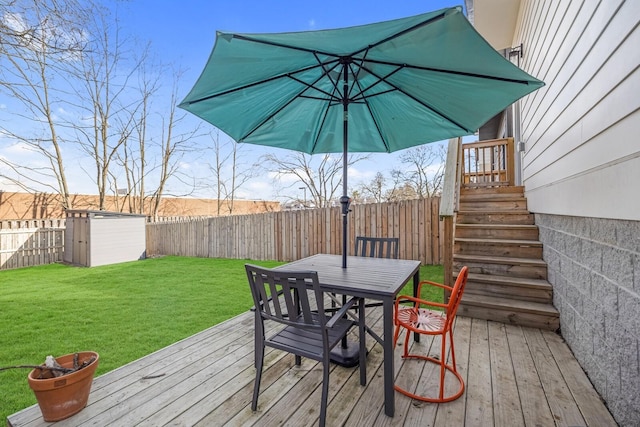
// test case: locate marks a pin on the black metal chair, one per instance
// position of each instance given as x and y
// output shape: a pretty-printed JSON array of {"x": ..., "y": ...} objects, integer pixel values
[
  {"x": 296, "y": 300},
  {"x": 377, "y": 247}
]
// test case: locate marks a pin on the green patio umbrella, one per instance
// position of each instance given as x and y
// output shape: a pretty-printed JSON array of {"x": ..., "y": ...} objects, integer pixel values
[{"x": 373, "y": 88}]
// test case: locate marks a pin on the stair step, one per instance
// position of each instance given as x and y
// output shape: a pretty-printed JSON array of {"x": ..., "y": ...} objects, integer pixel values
[
  {"x": 500, "y": 241},
  {"x": 501, "y": 303},
  {"x": 496, "y": 237},
  {"x": 535, "y": 290},
  {"x": 498, "y": 231},
  {"x": 495, "y": 217},
  {"x": 498, "y": 247},
  {"x": 481, "y": 197},
  {"x": 510, "y": 311},
  {"x": 502, "y": 266},
  {"x": 487, "y": 204},
  {"x": 492, "y": 190},
  {"x": 504, "y": 280}
]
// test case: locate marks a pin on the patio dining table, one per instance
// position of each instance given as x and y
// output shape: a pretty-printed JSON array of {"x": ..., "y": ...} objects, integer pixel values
[{"x": 372, "y": 278}]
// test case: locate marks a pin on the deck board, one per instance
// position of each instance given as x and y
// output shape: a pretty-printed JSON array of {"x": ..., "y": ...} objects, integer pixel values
[
  {"x": 514, "y": 376},
  {"x": 563, "y": 406},
  {"x": 506, "y": 404},
  {"x": 453, "y": 414},
  {"x": 479, "y": 398}
]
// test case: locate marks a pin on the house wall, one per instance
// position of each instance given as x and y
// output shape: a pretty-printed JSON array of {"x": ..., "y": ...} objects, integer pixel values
[
  {"x": 581, "y": 130},
  {"x": 581, "y": 171}
]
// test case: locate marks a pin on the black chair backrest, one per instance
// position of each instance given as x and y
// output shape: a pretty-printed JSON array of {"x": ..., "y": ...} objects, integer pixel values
[
  {"x": 282, "y": 296},
  {"x": 377, "y": 247}
]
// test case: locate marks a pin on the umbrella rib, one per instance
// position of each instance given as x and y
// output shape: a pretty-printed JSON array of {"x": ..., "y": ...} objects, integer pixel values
[
  {"x": 395, "y": 88},
  {"x": 250, "y": 85},
  {"x": 283, "y": 45},
  {"x": 311, "y": 86},
  {"x": 360, "y": 67},
  {"x": 334, "y": 83},
  {"x": 324, "y": 119},
  {"x": 380, "y": 79},
  {"x": 293, "y": 98},
  {"x": 304, "y": 49},
  {"x": 424, "y": 104},
  {"x": 403, "y": 32},
  {"x": 375, "y": 122},
  {"x": 446, "y": 71}
]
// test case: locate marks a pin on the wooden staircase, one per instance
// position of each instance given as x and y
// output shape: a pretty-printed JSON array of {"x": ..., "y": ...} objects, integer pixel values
[{"x": 496, "y": 237}]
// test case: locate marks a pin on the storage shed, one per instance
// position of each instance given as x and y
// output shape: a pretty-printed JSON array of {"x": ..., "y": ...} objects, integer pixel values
[{"x": 95, "y": 238}]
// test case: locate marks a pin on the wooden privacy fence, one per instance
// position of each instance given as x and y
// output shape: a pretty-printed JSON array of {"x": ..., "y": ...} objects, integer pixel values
[
  {"x": 291, "y": 235},
  {"x": 26, "y": 243},
  {"x": 281, "y": 236}
]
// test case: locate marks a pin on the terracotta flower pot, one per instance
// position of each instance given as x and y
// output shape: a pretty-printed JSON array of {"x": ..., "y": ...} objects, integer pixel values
[{"x": 61, "y": 397}]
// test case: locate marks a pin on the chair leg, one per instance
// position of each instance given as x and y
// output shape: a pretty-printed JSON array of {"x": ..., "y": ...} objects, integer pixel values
[
  {"x": 444, "y": 367},
  {"x": 405, "y": 350},
  {"x": 257, "y": 329},
  {"x": 453, "y": 352},
  {"x": 325, "y": 393},
  {"x": 443, "y": 363},
  {"x": 256, "y": 385},
  {"x": 396, "y": 334},
  {"x": 363, "y": 343}
]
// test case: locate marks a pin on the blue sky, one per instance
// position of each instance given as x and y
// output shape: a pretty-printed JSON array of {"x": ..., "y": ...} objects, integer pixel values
[
  {"x": 183, "y": 33},
  {"x": 185, "y": 30}
]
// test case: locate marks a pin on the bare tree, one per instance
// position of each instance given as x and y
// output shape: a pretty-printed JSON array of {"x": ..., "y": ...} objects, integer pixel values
[
  {"x": 71, "y": 81},
  {"x": 133, "y": 157},
  {"x": 174, "y": 145},
  {"x": 320, "y": 174},
  {"x": 375, "y": 190},
  {"x": 424, "y": 172},
  {"x": 110, "y": 112},
  {"x": 39, "y": 40},
  {"x": 229, "y": 173},
  {"x": 401, "y": 190}
]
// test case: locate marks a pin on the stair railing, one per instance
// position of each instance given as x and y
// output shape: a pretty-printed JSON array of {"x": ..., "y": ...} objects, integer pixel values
[
  {"x": 488, "y": 163},
  {"x": 449, "y": 203}
]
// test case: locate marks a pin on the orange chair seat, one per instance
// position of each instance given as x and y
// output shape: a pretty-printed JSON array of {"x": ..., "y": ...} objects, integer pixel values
[{"x": 421, "y": 319}]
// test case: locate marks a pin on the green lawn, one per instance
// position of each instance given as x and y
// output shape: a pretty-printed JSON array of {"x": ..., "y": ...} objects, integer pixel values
[{"x": 122, "y": 311}]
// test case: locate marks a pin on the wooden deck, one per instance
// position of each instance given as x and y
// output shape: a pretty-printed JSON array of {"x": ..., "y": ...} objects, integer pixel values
[{"x": 514, "y": 376}]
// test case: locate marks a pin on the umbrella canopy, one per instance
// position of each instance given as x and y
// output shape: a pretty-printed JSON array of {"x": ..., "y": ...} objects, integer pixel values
[{"x": 372, "y": 88}]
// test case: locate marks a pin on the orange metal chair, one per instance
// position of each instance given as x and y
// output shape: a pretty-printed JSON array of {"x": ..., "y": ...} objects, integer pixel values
[{"x": 423, "y": 320}]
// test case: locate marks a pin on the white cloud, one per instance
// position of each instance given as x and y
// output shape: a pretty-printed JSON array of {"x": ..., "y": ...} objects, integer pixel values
[
  {"x": 12, "y": 149},
  {"x": 14, "y": 22},
  {"x": 257, "y": 190},
  {"x": 283, "y": 179},
  {"x": 9, "y": 186},
  {"x": 354, "y": 173}
]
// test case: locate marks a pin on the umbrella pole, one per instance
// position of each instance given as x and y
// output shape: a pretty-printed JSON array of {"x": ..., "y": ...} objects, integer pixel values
[
  {"x": 344, "y": 200},
  {"x": 348, "y": 353}
]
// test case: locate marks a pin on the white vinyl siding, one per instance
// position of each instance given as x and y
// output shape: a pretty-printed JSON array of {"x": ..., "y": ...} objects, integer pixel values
[
  {"x": 94, "y": 238},
  {"x": 582, "y": 130},
  {"x": 115, "y": 240}
]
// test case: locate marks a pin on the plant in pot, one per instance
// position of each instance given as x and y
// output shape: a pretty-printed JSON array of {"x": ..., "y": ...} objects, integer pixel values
[{"x": 62, "y": 384}]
